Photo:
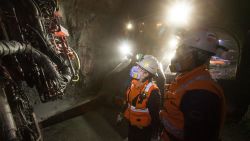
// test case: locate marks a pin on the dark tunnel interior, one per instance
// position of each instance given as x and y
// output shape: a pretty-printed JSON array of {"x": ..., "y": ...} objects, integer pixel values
[{"x": 97, "y": 29}]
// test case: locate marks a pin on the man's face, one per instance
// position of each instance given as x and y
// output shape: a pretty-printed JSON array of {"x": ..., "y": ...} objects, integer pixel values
[
  {"x": 183, "y": 59},
  {"x": 143, "y": 74},
  {"x": 183, "y": 52}
]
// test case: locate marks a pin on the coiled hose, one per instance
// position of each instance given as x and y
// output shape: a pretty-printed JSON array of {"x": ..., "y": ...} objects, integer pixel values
[{"x": 14, "y": 47}]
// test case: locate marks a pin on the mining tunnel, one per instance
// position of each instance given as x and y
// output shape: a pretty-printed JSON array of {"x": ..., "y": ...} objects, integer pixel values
[{"x": 110, "y": 35}]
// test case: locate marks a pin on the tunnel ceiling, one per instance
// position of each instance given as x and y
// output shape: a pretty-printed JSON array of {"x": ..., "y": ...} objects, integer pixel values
[{"x": 97, "y": 26}]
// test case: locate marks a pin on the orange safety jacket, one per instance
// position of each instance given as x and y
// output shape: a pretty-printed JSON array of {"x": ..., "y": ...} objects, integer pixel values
[
  {"x": 138, "y": 114},
  {"x": 171, "y": 115}
]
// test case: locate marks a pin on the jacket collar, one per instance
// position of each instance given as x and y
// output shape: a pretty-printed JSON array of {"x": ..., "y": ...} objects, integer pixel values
[
  {"x": 201, "y": 70},
  {"x": 141, "y": 86}
]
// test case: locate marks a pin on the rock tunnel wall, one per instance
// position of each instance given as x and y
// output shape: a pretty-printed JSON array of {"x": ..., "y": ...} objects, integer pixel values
[
  {"x": 95, "y": 27},
  {"x": 89, "y": 24}
]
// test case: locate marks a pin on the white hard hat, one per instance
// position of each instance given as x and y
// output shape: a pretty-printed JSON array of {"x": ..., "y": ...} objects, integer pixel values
[
  {"x": 201, "y": 39},
  {"x": 150, "y": 64}
]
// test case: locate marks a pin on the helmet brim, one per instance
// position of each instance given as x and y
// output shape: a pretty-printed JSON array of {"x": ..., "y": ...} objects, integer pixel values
[{"x": 138, "y": 63}]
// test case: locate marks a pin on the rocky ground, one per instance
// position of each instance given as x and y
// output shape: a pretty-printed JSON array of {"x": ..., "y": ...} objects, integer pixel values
[{"x": 99, "y": 125}]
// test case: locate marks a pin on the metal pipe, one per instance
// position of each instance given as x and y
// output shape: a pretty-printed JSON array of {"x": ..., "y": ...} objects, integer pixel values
[
  {"x": 37, "y": 14},
  {"x": 6, "y": 117},
  {"x": 39, "y": 138},
  {"x": 2, "y": 26}
]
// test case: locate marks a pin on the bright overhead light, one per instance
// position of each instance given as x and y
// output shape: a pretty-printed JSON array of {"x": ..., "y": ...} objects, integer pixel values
[
  {"x": 179, "y": 13},
  {"x": 158, "y": 24},
  {"x": 169, "y": 56},
  {"x": 129, "y": 26},
  {"x": 125, "y": 48},
  {"x": 173, "y": 43}
]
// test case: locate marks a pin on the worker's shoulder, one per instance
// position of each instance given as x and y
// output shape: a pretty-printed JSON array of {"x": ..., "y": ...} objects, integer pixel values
[
  {"x": 154, "y": 95},
  {"x": 155, "y": 91},
  {"x": 154, "y": 87},
  {"x": 200, "y": 95},
  {"x": 206, "y": 85}
]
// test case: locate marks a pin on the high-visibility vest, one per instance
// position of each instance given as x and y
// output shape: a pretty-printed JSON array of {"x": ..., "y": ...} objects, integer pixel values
[
  {"x": 138, "y": 114},
  {"x": 171, "y": 115}
]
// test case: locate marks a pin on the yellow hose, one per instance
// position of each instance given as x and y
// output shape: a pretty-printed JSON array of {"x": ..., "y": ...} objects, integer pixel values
[{"x": 76, "y": 77}]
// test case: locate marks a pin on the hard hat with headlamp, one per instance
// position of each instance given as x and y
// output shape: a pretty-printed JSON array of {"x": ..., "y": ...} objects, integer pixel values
[
  {"x": 196, "y": 48},
  {"x": 202, "y": 39},
  {"x": 150, "y": 64}
]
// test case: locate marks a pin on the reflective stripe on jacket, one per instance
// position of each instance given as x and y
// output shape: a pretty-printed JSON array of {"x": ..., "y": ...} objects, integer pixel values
[
  {"x": 137, "y": 97},
  {"x": 198, "y": 79}
]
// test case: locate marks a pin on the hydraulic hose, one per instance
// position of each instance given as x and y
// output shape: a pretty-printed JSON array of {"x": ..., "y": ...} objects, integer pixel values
[{"x": 14, "y": 47}]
